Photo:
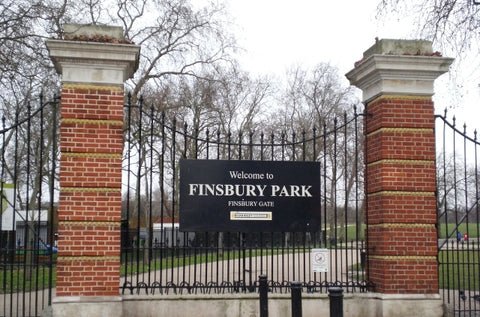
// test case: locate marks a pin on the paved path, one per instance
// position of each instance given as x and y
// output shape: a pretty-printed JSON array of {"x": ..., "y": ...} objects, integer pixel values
[
  {"x": 286, "y": 268},
  {"x": 452, "y": 244},
  {"x": 28, "y": 303},
  {"x": 280, "y": 268}
]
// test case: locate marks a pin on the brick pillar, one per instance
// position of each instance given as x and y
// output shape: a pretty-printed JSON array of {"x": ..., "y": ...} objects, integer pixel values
[
  {"x": 91, "y": 145},
  {"x": 396, "y": 77}
]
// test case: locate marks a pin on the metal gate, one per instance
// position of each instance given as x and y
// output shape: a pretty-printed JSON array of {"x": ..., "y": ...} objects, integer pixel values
[
  {"x": 158, "y": 258},
  {"x": 27, "y": 238},
  {"x": 458, "y": 217}
]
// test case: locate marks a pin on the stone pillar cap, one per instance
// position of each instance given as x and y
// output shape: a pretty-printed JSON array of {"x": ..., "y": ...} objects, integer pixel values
[
  {"x": 86, "y": 31},
  {"x": 398, "y": 67},
  {"x": 92, "y": 54},
  {"x": 400, "y": 47}
]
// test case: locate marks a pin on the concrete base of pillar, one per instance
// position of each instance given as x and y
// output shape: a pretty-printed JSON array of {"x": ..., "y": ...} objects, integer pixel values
[
  {"x": 233, "y": 305},
  {"x": 396, "y": 305},
  {"x": 89, "y": 306}
]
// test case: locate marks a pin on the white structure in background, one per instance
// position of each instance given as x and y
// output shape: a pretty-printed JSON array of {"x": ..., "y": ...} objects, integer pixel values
[
  {"x": 37, "y": 223},
  {"x": 168, "y": 235},
  {"x": 7, "y": 207},
  {"x": 17, "y": 221}
]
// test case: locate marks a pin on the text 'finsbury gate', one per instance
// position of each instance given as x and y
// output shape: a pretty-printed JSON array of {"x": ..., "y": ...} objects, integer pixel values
[{"x": 184, "y": 227}]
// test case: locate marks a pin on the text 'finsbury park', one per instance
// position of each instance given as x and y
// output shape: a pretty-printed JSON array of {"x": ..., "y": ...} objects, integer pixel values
[{"x": 249, "y": 190}]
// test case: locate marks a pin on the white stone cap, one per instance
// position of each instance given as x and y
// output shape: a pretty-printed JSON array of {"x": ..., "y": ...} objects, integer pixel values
[
  {"x": 90, "y": 62},
  {"x": 399, "y": 67},
  {"x": 89, "y": 30}
]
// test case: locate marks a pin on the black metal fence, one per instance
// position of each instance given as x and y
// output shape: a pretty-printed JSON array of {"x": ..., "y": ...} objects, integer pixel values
[
  {"x": 29, "y": 158},
  {"x": 458, "y": 217},
  {"x": 158, "y": 258}
]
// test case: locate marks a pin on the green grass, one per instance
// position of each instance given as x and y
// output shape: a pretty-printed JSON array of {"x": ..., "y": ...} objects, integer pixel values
[
  {"x": 459, "y": 269},
  {"x": 13, "y": 280},
  {"x": 349, "y": 235},
  {"x": 178, "y": 261},
  {"x": 472, "y": 228}
]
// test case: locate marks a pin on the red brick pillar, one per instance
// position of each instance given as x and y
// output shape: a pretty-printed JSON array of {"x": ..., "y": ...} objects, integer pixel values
[
  {"x": 396, "y": 77},
  {"x": 91, "y": 145}
]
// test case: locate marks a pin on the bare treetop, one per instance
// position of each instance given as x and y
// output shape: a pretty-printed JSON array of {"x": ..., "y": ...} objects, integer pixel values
[{"x": 453, "y": 25}]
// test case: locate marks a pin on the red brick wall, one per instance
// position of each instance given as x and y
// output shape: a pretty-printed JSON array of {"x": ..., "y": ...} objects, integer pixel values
[
  {"x": 91, "y": 145},
  {"x": 409, "y": 275},
  {"x": 401, "y": 205}
]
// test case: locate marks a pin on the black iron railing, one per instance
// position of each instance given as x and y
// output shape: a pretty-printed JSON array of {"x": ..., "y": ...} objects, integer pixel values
[
  {"x": 29, "y": 157},
  {"x": 158, "y": 258},
  {"x": 458, "y": 217}
]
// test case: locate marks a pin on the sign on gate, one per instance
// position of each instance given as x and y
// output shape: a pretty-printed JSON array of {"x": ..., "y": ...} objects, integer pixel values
[
  {"x": 319, "y": 260},
  {"x": 249, "y": 196}
]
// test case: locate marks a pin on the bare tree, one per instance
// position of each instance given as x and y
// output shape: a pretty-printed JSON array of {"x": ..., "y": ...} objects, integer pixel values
[
  {"x": 453, "y": 24},
  {"x": 314, "y": 97},
  {"x": 177, "y": 40},
  {"x": 457, "y": 189},
  {"x": 318, "y": 99}
]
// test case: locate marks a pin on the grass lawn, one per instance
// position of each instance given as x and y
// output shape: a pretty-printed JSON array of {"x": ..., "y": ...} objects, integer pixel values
[
  {"x": 459, "y": 269},
  {"x": 473, "y": 230},
  {"x": 13, "y": 280}
]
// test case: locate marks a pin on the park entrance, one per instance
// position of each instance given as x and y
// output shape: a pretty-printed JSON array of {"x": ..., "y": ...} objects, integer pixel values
[
  {"x": 159, "y": 256},
  {"x": 120, "y": 204}
]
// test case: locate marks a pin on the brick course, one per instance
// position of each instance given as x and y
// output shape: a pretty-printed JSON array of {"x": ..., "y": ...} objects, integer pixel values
[
  {"x": 91, "y": 145},
  {"x": 400, "y": 188},
  {"x": 86, "y": 277},
  {"x": 400, "y": 111},
  {"x": 403, "y": 275},
  {"x": 402, "y": 176},
  {"x": 392, "y": 207}
]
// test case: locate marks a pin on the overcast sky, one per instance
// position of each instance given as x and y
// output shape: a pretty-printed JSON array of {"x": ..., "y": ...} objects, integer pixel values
[{"x": 277, "y": 34}]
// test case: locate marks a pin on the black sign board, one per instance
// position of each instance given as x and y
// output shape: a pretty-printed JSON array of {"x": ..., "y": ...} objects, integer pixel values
[{"x": 249, "y": 196}]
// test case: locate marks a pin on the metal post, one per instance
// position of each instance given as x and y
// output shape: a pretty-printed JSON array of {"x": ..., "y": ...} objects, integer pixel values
[
  {"x": 296, "y": 299},
  {"x": 336, "y": 301},
  {"x": 263, "y": 295}
]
